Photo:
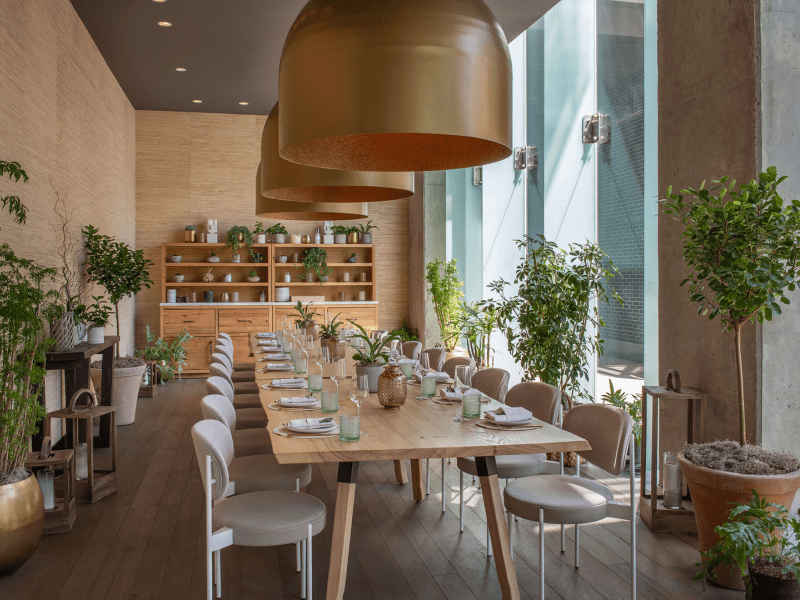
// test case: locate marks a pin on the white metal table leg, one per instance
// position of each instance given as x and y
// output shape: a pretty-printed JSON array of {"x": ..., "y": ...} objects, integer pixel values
[
  {"x": 461, "y": 500},
  {"x": 541, "y": 554},
  {"x": 309, "y": 584},
  {"x": 444, "y": 501}
]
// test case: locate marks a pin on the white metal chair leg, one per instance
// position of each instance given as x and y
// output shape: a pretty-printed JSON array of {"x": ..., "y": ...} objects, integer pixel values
[
  {"x": 309, "y": 584},
  {"x": 297, "y": 544},
  {"x": 444, "y": 500},
  {"x": 488, "y": 542},
  {"x": 577, "y": 527},
  {"x": 461, "y": 500},
  {"x": 427, "y": 476},
  {"x": 218, "y": 572},
  {"x": 633, "y": 518},
  {"x": 303, "y": 570},
  {"x": 509, "y": 518},
  {"x": 541, "y": 554},
  {"x": 209, "y": 533}
]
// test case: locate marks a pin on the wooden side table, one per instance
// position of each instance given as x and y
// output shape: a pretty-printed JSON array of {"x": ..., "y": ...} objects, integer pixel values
[
  {"x": 651, "y": 506},
  {"x": 62, "y": 517},
  {"x": 99, "y": 483}
]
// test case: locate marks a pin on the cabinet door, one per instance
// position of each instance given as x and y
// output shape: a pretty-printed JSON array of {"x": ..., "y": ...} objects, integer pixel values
[
  {"x": 201, "y": 321},
  {"x": 289, "y": 312},
  {"x": 244, "y": 320},
  {"x": 198, "y": 353}
]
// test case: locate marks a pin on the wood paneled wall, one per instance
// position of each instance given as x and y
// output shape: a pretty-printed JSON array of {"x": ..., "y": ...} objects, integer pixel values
[
  {"x": 65, "y": 119},
  {"x": 191, "y": 167}
]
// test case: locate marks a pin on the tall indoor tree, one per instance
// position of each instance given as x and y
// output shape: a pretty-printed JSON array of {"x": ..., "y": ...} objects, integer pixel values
[{"x": 445, "y": 289}]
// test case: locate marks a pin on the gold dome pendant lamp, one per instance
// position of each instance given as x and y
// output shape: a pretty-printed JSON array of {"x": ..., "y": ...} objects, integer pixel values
[
  {"x": 285, "y": 210},
  {"x": 395, "y": 85},
  {"x": 284, "y": 180}
]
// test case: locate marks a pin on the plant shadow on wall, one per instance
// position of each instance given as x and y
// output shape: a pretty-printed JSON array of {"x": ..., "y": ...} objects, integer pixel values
[{"x": 552, "y": 322}]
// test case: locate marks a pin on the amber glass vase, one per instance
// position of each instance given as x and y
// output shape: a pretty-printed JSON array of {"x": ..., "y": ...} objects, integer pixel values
[
  {"x": 392, "y": 387},
  {"x": 337, "y": 348}
]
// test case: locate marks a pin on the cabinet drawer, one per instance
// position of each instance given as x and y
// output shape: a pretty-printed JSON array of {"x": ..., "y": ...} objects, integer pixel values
[
  {"x": 366, "y": 316},
  {"x": 244, "y": 320},
  {"x": 197, "y": 321},
  {"x": 198, "y": 353}
]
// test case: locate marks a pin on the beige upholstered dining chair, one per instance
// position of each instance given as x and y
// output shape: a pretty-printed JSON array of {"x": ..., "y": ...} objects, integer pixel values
[
  {"x": 450, "y": 365},
  {"x": 225, "y": 340},
  {"x": 436, "y": 357},
  {"x": 412, "y": 349},
  {"x": 567, "y": 499},
  {"x": 242, "y": 387},
  {"x": 249, "y": 415},
  {"x": 267, "y": 510},
  {"x": 246, "y": 442},
  {"x": 492, "y": 382}
]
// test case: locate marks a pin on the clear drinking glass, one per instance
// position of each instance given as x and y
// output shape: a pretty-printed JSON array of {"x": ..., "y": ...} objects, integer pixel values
[
  {"x": 359, "y": 391},
  {"x": 330, "y": 399},
  {"x": 470, "y": 406},
  {"x": 407, "y": 369},
  {"x": 349, "y": 428},
  {"x": 287, "y": 345},
  {"x": 316, "y": 371},
  {"x": 463, "y": 378},
  {"x": 424, "y": 363},
  {"x": 301, "y": 362},
  {"x": 428, "y": 386}
]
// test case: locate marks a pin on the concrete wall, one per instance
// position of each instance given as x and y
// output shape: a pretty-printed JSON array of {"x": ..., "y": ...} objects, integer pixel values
[
  {"x": 780, "y": 127},
  {"x": 708, "y": 116}
]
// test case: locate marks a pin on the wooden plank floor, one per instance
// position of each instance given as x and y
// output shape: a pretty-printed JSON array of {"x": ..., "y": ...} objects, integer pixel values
[{"x": 147, "y": 540}]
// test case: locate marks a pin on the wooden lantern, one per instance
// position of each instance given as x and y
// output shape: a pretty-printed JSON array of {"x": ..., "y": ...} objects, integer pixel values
[
  {"x": 62, "y": 517},
  {"x": 150, "y": 391}
]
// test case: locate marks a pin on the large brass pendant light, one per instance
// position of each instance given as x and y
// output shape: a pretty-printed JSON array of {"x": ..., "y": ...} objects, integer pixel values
[
  {"x": 395, "y": 85},
  {"x": 286, "y": 180},
  {"x": 285, "y": 210}
]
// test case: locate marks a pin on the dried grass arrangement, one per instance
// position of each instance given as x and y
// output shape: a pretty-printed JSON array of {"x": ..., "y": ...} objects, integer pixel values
[{"x": 733, "y": 457}]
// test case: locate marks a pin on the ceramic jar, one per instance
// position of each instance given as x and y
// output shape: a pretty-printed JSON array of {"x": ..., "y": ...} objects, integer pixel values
[
  {"x": 392, "y": 387},
  {"x": 340, "y": 238},
  {"x": 279, "y": 238},
  {"x": 294, "y": 238},
  {"x": 175, "y": 258},
  {"x": 366, "y": 238},
  {"x": 261, "y": 238}
]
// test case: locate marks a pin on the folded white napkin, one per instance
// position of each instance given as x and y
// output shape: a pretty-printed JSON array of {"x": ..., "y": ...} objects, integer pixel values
[
  {"x": 267, "y": 343},
  {"x": 312, "y": 424},
  {"x": 268, "y": 334},
  {"x": 276, "y": 356},
  {"x": 435, "y": 374},
  {"x": 292, "y": 381},
  {"x": 454, "y": 395},
  {"x": 408, "y": 361},
  {"x": 509, "y": 414},
  {"x": 279, "y": 366},
  {"x": 297, "y": 401}
]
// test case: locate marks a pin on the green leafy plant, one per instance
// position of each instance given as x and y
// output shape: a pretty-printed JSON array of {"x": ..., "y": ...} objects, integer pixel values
[
  {"x": 114, "y": 265},
  {"x": 238, "y": 235},
  {"x": 190, "y": 227},
  {"x": 445, "y": 289},
  {"x": 372, "y": 353},
  {"x": 331, "y": 329},
  {"x": 340, "y": 230},
  {"x": 276, "y": 229},
  {"x": 405, "y": 333},
  {"x": 362, "y": 228},
  {"x": 475, "y": 324},
  {"x": 742, "y": 250},
  {"x": 170, "y": 357},
  {"x": 13, "y": 203},
  {"x": 98, "y": 313},
  {"x": 259, "y": 230},
  {"x": 315, "y": 260},
  {"x": 550, "y": 314},
  {"x": 253, "y": 274},
  {"x": 619, "y": 398},
  {"x": 23, "y": 314},
  {"x": 305, "y": 314},
  {"x": 760, "y": 535}
]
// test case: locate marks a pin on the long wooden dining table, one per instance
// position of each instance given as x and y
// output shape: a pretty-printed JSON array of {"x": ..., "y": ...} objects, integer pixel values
[{"x": 420, "y": 429}]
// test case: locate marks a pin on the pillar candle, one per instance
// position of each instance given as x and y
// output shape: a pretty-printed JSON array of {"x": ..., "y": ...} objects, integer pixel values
[
  {"x": 81, "y": 462},
  {"x": 46, "y": 481}
]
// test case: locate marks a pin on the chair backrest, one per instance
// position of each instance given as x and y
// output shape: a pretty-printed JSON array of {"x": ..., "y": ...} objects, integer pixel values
[
  {"x": 436, "y": 357},
  {"x": 212, "y": 438},
  {"x": 540, "y": 398},
  {"x": 607, "y": 429},
  {"x": 220, "y": 358},
  {"x": 450, "y": 365},
  {"x": 412, "y": 349},
  {"x": 225, "y": 336},
  {"x": 218, "y": 385},
  {"x": 224, "y": 350},
  {"x": 217, "y": 408},
  {"x": 217, "y": 370},
  {"x": 379, "y": 334},
  {"x": 492, "y": 382}
]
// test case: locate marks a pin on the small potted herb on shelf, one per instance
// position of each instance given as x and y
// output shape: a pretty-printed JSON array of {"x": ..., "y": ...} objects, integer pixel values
[
  {"x": 97, "y": 315},
  {"x": 238, "y": 235},
  {"x": 760, "y": 540},
  {"x": 190, "y": 233},
  {"x": 278, "y": 233},
  {"x": 213, "y": 258},
  {"x": 315, "y": 261},
  {"x": 260, "y": 233},
  {"x": 253, "y": 277},
  {"x": 371, "y": 358},
  {"x": 352, "y": 234},
  {"x": 340, "y": 234},
  {"x": 366, "y": 236},
  {"x": 178, "y": 277},
  {"x": 352, "y": 258}
]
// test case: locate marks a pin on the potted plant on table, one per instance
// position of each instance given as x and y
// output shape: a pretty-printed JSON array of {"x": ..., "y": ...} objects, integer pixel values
[
  {"x": 169, "y": 357},
  {"x": 330, "y": 333},
  {"x": 278, "y": 233},
  {"x": 305, "y": 318},
  {"x": 366, "y": 236},
  {"x": 123, "y": 273},
  {"x": 340, "y": 234},
  {"x": 445, "y": 289},
  {"x": 760, "y": 541},
  {"x": 260, "y": 233},
  {"x": 315, "y": 260},
  {"x": 97, "y": 315},
  {"x": 742, "y": 252},
  {"x": 371, "y": 358}
]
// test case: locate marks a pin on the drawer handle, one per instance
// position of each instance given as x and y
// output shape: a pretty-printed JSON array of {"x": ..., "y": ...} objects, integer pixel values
[
  {"x": 188, "y": 321},
  {"x": 245, "y": 320}
]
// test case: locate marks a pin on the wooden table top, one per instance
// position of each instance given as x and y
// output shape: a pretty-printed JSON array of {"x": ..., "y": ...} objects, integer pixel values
[{"x": 418, "y": 429}]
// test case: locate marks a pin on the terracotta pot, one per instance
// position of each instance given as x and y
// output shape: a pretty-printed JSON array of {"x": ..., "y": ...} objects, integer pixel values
[
  {"x": 714, "y": 493},
  {"x": 21, "y": 522},
  {"x": 125, "y": 392}
]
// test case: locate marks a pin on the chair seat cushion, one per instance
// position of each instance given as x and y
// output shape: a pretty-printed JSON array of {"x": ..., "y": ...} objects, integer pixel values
[
  {"x": 565, "y": 499},
  {"x": 511, "y": 466},
  {"x": 269, "y": 518},
  {"x": 262, "y": 473},
  {"x": 239, "y": 376},
  {"x": 247, "y": 401},
  {"x": 247, "y": 442},
  {"x": 251, "y": 418},
  {"x": 244, "y": 366},
  {"x": 245, "y": 387}
]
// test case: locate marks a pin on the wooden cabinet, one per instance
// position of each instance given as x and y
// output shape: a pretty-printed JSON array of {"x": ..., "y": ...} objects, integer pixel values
[
  {"x": 362, "y": 314},
  {"x": 290, "y": 313},
  {"x": 198, "y": 353},
  {"x": 200, "y": 321},
  {"x": 245, "y": 320}
]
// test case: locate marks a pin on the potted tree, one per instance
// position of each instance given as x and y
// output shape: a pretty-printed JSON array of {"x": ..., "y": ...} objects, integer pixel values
[
  {"x": 315, "y": 260},
  {"x": 760, "y": 542},
  {"x": 371, "y": 359},
  {"x": 278, "y": 233},
  {"x": 123, "y": 273},
  {"x": 445, "y": 289},
  {"x": 24, "y": 308},
  {"x": 366, "y": 236},
  {"x": 340, "y": 234},
  {"x": 742, "y": 252},
  {"x": 475, "y": 324},
  {"x": 260, "y": 233}
]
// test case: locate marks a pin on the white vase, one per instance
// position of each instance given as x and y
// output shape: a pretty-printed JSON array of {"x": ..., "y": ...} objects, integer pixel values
[
  {"x": 279, "y": 238},
  {"x": 261, "y": 238},
  {"x": 126, "y": 391},
  {"x": 97, "y": 335}
]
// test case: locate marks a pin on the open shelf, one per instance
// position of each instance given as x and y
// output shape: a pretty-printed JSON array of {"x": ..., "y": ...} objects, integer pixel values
[
  {"x": 320, "y": 284},
  {"x": 260, "y": 265},
  {"x": 217, "y": 284},
  {"x": 288, "y": 264}
]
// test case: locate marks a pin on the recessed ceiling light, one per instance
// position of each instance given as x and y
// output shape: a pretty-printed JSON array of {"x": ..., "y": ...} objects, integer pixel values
[
  {"x": 181, "y": 69},
  {"x": 244, "y": 103},
  {"x": 197, "y": 101},
  {"x": 165, "y": 23}
]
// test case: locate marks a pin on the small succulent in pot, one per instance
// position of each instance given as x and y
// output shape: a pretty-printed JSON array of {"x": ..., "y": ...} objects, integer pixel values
[
  {"x": 178, "y": 277},
  {"x": 190, "y": 233},
  {"x": 213, "y": 258},
  {"x": 253, "y": 277},
  {"x": 352, "y": 258},
  {"x": 366, "y": 236}
]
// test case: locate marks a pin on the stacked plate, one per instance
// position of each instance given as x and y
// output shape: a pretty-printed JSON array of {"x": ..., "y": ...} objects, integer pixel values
[{"x": 282, "y": 294}]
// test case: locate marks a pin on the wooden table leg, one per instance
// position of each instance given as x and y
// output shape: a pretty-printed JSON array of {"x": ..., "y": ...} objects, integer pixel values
[
  {"x": 400, "y": 473},
  {"x": 498, "y": 532},
  {"x": 106, "y": 392},
  {"x": 342, "y": 524},
  {"x": 416, "y": 479}
]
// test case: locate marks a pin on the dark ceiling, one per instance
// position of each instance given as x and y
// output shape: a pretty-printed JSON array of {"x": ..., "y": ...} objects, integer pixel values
[{"x": 229, "y": 48}]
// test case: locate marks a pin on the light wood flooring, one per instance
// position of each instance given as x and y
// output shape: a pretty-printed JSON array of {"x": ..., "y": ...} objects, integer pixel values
[{"x": 147, "y": 540}]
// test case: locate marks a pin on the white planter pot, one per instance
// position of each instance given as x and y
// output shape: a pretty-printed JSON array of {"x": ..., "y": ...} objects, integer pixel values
[
  {"x": 372, "y": 373},
  {"x": 97, "y": 335},
  {"x": 340, "y": 238},
  {"x": 279, "y": 238},
  {"x": 126, "y": 391},
  {"x": 261, "y": 238}
]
